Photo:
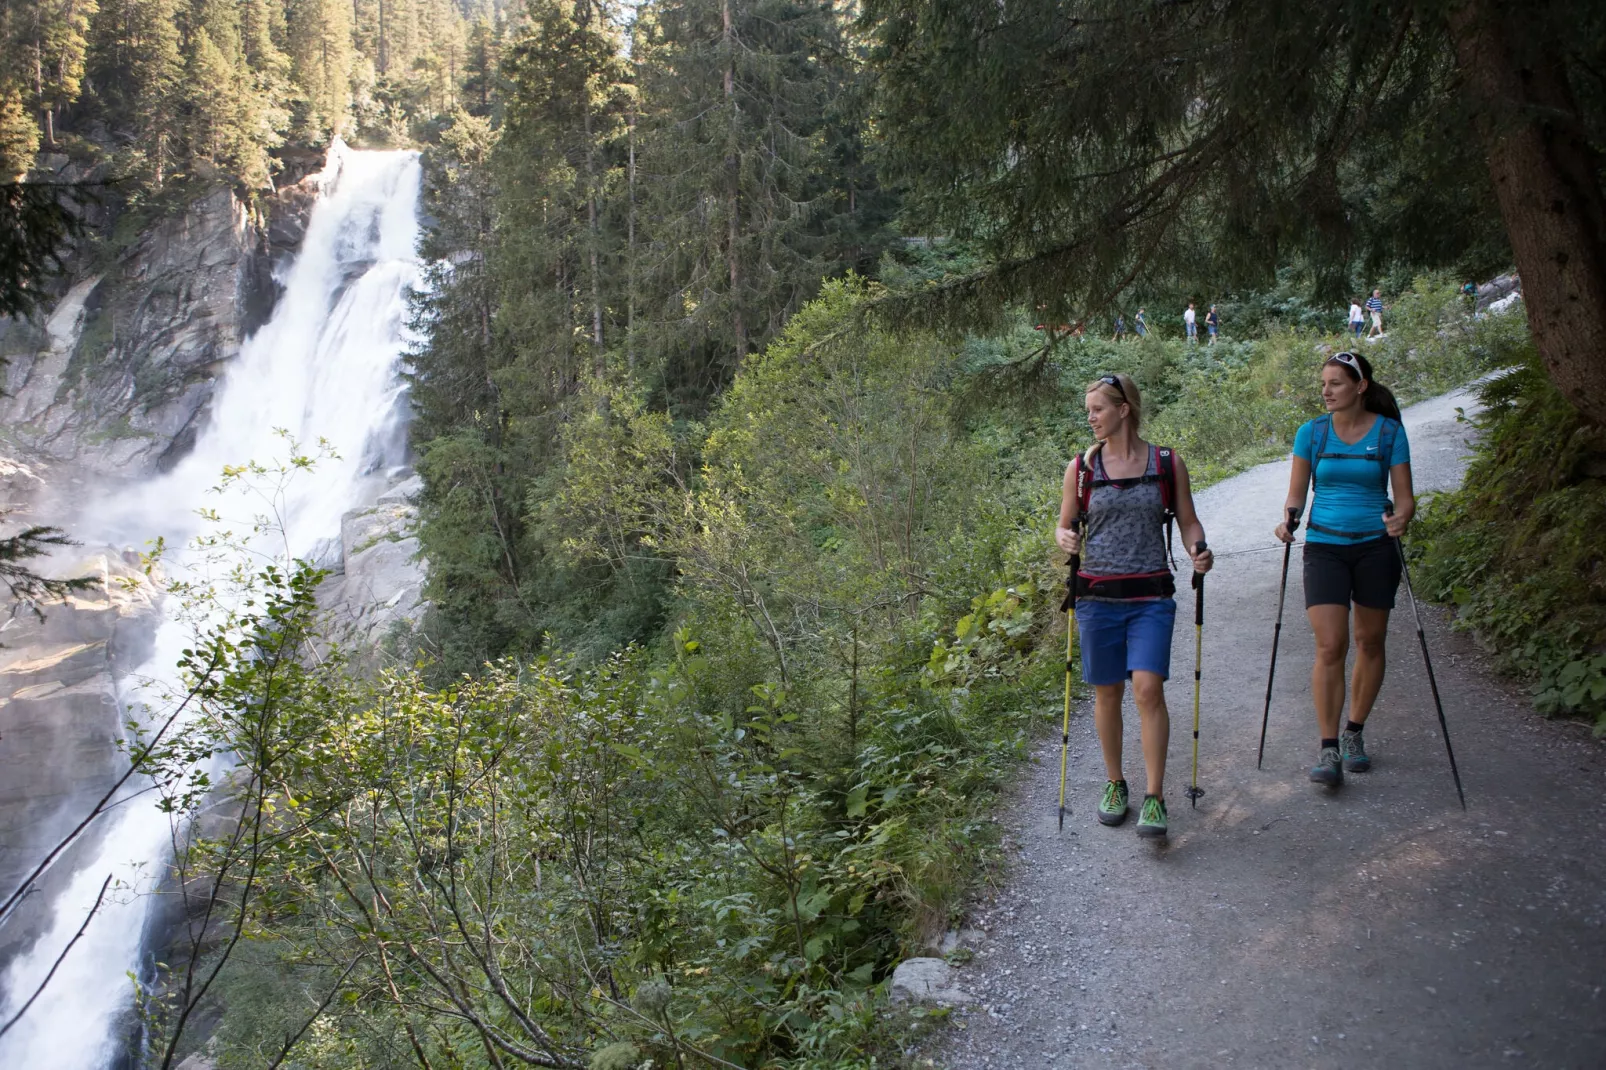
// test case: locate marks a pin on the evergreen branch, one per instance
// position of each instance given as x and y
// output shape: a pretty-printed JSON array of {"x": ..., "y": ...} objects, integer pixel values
[{"x": 26, "y": 586}]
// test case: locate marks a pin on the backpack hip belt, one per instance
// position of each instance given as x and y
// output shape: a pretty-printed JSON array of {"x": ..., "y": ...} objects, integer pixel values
[{"x": 1122, "y": 588}]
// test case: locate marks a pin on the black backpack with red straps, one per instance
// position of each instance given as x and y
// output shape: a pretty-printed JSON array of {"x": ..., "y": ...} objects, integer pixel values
[
  {"x": 1128, "y": 587},
  {"x": 1165, "y": 475}
]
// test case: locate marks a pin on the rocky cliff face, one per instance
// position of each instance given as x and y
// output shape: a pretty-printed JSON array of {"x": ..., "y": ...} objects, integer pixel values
[
  {"x": 116, "y": 382},
  {"x": 378, "y": 585},
  {"x": 112, "y": 387},
  {"x": 60, "y": 721}
]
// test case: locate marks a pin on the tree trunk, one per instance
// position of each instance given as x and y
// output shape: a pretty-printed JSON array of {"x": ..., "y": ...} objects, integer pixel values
[
  {"x": 1545, "y": 178},
  {"x": 733, "y": 178},
  {"x": 630, "y": 296}
]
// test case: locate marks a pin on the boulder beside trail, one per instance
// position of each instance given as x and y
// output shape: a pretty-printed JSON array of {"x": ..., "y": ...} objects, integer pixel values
[{"x": 927, "y": 980}]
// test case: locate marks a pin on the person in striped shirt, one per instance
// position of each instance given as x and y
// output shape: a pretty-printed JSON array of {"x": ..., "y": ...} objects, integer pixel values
[{"x": 1374, "y": 305}]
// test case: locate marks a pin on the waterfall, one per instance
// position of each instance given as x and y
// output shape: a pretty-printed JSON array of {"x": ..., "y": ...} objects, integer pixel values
[{"x": 323, "y": 368}]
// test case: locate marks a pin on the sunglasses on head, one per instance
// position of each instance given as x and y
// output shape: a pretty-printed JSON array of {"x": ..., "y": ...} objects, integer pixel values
[
  {"x": 1349, "y": 360},
  {"x": 1110, "y": 380}
]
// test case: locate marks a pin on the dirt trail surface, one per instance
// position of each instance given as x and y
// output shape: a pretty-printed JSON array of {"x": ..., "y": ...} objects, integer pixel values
[{"x": 1284, "y": 926}]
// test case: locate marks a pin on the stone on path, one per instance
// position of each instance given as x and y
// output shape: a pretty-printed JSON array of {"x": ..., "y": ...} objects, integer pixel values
[{"x": 927, "y": 980}]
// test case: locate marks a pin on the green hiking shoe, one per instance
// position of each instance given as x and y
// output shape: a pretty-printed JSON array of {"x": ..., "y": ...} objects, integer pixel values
[
  {"x": 1353, "y": 749},
  {"x": 1329, "y": 768},
  {"x": 1151, "y": 820},
  {"x": 1112, "y": 808}
]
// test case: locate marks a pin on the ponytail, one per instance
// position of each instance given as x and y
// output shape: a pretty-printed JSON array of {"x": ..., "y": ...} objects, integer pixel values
[
  {"x": 1091, "y": 452},
  {"x": 1377, "y": 397},
  {"x": 1380, "y": 399}
]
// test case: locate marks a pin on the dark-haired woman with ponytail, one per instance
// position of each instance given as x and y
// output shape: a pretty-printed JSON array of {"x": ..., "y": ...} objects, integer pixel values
[{"x": 1351, "y": 458}]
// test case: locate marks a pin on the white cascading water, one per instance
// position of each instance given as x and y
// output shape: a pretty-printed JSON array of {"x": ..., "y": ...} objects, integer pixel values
[{"x": 323, "y": 367}]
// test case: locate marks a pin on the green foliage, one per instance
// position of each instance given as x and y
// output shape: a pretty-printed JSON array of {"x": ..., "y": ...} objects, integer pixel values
[
  {"x": 1102, "y": 149},
  {"x": 605, "y": 257},
  {"x": 1243, "y": 406},
  {"x": 718, "y": 846},
  {"x": 35, "y": 220},
  {"x": 1517, "y": 549}
]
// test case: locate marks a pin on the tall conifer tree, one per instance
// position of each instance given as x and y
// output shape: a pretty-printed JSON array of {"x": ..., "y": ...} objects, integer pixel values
[
  {"x": 54, "y": 46},
  {"x": 734, "y": 98},
  {"x": 321, "y": 57},
  {"x": 558, "y": 161}
]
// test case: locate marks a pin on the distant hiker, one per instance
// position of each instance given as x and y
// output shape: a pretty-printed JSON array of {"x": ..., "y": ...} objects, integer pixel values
[
  {"x": 1129, "y": 492},
  {"x": 1374, "y": 305},
  {"x": 1212, "y": 323},
  {"x": 1189, "y": 321},
  {"x": 1350, "y": 458},
  {"x": 1140, "y": 325},
  {"x": 1357, "y": 318},
  {"x": 1120, "y": 327}
]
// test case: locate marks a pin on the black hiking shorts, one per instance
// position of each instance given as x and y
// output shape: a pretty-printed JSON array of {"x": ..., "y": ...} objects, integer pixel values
[{"x": 1366, "y": 573}]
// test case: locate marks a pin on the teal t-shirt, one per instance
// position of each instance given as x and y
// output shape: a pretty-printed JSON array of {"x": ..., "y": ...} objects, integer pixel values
[{"x": 1350, "y": 493}]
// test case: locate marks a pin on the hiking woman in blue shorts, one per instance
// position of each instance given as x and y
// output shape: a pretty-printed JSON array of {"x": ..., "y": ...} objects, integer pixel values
[
  {"x": 1352, "y": 458},
  {"x": 1128, "y": 490}
]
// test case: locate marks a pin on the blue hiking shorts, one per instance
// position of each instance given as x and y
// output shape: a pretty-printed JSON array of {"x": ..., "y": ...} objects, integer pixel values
[{"x": 1120, "y": 638}]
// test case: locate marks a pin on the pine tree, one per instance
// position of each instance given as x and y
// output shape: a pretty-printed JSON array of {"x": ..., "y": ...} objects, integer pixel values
[
  {"x": 262, "y": 28},
  {"x": 1094, "y": 145},
  {"x": 321, "y": 57},
  {"x": 224, "y": 104},
  {"x": 558, "y": 158},
  {"x": 19, "y": 137},
  {"x": 54, "y": 47},
  {"x": 482, "y": 56},
  {"x": 150, "y": 77},
  {"x": 734, "y": 94}
]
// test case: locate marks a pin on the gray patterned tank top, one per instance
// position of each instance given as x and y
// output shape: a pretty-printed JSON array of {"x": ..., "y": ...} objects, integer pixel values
[{"x": 1125, "y": 526}]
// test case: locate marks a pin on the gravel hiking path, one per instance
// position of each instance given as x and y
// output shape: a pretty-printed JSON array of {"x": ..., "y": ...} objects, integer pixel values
[{"x": 1284, "y": 926}]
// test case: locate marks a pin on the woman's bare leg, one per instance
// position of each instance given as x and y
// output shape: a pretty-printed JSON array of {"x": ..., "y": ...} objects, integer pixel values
[
  {"x": 1148, "y": 690},
  {"x": 1331, "y": 626},
  {"x": 1107, "y": 719},
  {"x": 1366, "y": 680}
]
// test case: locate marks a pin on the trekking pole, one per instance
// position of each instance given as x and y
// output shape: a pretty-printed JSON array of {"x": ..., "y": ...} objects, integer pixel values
[
  {"x": 1271, "y": 674},
  {"x": 1405, "y": 573},
  {"x": 1196, "y": 791},
  {"x": 1070, "y": 640}
]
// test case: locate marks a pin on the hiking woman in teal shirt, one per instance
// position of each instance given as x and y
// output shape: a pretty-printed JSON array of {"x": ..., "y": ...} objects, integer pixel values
[{"x": 1352, "y": 457}]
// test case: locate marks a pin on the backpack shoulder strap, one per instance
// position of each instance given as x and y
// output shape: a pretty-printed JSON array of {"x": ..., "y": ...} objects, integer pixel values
[
  {"x": 1084, "y": 481},
  {"x": 1166, "y": 465},
  {"x": 1319, "y": 429},
  {"x": 1386, "y": 436}
]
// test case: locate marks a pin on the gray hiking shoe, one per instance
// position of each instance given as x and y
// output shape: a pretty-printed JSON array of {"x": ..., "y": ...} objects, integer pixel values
[
  {"x": 1112, "y": 807},
  {"x": 1151, "y": 820},
  {"x": 1353, "y": 748},
  {"x": 1329, "y": 768}
]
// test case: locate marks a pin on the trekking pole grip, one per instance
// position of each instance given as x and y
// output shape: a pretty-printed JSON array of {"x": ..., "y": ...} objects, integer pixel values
[
  {"x": 1198, "y": 587},
  {"x": 1293, "y": 520}
]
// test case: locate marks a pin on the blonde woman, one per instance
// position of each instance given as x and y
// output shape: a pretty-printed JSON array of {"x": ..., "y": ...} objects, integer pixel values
[{"x": 1127, "y": 491}]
